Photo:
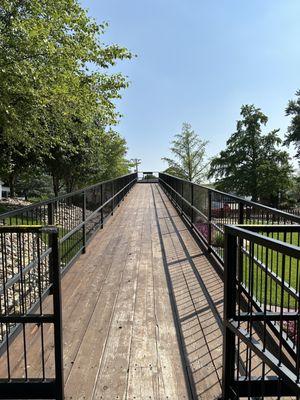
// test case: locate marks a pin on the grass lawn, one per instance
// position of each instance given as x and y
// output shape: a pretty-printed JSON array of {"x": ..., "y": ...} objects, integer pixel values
[
  {"x": 70, "y": 247},
  {"x": 261, "y": 286},
  {"x": 267, "y": 288}
]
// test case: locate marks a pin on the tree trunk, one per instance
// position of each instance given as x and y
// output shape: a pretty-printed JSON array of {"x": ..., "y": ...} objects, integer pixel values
[
  {"x": 12, "y": 182},
  {"x": 254, "y": 196},
  {"x": 70, "y": 185},
  {"x": 55, "y": 184}
]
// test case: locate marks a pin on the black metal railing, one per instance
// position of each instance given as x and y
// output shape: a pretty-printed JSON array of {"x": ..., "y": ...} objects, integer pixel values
[
  {"x": 291, "y": 210},
  {"x": 260, "y": 265},
  {"x": 261, "y": 353},
  {"x": 77, "y": 215},
  {"x": 208, "y": 210},
  {"x": 29, "y": 272},
  {"x": 262, "y": 285}
]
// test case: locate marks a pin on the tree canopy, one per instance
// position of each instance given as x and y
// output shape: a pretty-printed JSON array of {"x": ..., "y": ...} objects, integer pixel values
[
  {"x": 56, "y": 95},
  {"x": 293, "y": 134},
  {"x": 189, "y": 155},
  {"x": 253, "y": 164}
]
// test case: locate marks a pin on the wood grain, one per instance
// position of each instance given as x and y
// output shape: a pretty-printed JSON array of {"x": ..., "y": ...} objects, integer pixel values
[{"x": 141, "y": 311}]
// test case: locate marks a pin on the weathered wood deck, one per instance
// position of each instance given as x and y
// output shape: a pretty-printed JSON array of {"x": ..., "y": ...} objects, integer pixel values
[{"x": 141, "y": 311}]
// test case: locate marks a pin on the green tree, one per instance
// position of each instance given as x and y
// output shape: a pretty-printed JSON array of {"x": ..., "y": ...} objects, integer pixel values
[
  {"x": 189, "y": 155},
  {"x": 34, "y": 184},
  {"x": 292, "y": 197},
  {"x": 293, "y": 134},
  {"x": 112, "y": 156},
  {"x": 53, "y": 82},
  {"x": 103, "y": 157},
  {"x": 253, "y": 164}
]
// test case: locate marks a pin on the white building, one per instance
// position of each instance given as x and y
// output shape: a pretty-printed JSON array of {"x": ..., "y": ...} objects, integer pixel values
[{"x": 4, "y": 190}]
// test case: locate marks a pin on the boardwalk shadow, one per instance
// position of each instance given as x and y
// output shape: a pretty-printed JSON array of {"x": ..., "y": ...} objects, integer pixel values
[{"x": 196, "y": 295}]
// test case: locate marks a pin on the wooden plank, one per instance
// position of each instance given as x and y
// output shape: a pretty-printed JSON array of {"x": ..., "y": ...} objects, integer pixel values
[
  {"x": 201, "y": 333},
  {"x": 119, "y": 331},
  {"x": 172, "y": 383},
  {"x": 73, "y": 289},
  {"x": 80, "y": 383},
  {"x": 143, "y": 375},
  {"x": 113, "y": 369}
]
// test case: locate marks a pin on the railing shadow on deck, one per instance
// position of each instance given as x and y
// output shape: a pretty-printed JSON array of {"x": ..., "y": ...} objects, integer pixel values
[
  {"x": 196, "y": 339},
  {"x": 207, "y": 213}
]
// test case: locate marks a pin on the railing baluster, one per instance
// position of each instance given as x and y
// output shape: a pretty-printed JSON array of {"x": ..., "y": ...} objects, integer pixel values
[
  {"x": 223, "y": 209},
  {"x": 192, "y": 203},
  {"x": 229, "y": 313},
  {"x": 84, "y": 222},
  {"x": 209, "y": 220},
  {"x": 266, "y": 326},
  {"x": 101, "y": 202},
  {"x": 58, "y": 340}
]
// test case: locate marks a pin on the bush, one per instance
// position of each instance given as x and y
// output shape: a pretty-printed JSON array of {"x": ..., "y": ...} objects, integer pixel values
[{"x": 218, "y": 240}]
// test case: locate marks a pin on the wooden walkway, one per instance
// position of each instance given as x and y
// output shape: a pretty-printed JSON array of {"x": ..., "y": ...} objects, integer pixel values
[{"x": 141, "y": 311}]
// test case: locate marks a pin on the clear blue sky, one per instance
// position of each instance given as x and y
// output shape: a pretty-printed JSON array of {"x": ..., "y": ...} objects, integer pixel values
[{"x": 198, "y": 62}]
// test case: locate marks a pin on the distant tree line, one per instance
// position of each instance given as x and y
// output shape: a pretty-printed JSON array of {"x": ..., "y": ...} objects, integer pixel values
[
  {"x": 253, "y": 163},
  {"x": 57, "y": 111}
]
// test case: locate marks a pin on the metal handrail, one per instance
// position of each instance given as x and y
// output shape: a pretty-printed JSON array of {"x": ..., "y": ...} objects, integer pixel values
[
  {"x": 249, "y": 219},
  {"x": 238, "y": 199},
  {"x": 77, "y": 225},
  {"x": 95, "y": 212},
  {"x": 257, "y": 328},
  {"x": 12, "y": 213},
  {"x": 256, "y": 237},
  {"x": 16, "y": 320},
  {"x": 183, "y": 193}
]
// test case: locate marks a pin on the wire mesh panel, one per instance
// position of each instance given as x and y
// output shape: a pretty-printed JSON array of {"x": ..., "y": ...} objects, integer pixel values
[
  {"x": 30, "y": 272},
  {"x": 262, "y": 312}
]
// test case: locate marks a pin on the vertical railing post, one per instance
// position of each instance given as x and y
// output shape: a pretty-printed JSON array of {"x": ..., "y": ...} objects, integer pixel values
[
  {"x": 58, "y": 340},
  {"x": 101, "y": 212},
  {"x": 181, "y": 192},
  {"x": 112, "y": 200},
  {"x": 118, "y": 197},
  {"x": 230, "y": 264},
  {"x": 127, "y": 190},
  {"x": 50, "y": 213},
  {"x": 192, "y": 203},
  {"x": 124, "y": 192},
  {"x": 240, "y": 240},
  {"x": 51, "y": 222},
  {"x": 83, "y": 220},
  {"x": 209, "y": 220},
  {"x": 241, "y": 214}
]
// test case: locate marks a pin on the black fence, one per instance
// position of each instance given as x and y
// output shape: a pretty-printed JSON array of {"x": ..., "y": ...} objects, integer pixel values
[
  {"x": 208, "y": 210},
  {"x": 261, "y": 276},
  {"x": 26, "y": 280},
  {"x": 78, "y": 215},
  {"x": 261, "y": 353},
  {"x": 26, "y": 258},
  {"x": 260, "y": 264},
  {"x": 292, "y": 210}
]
